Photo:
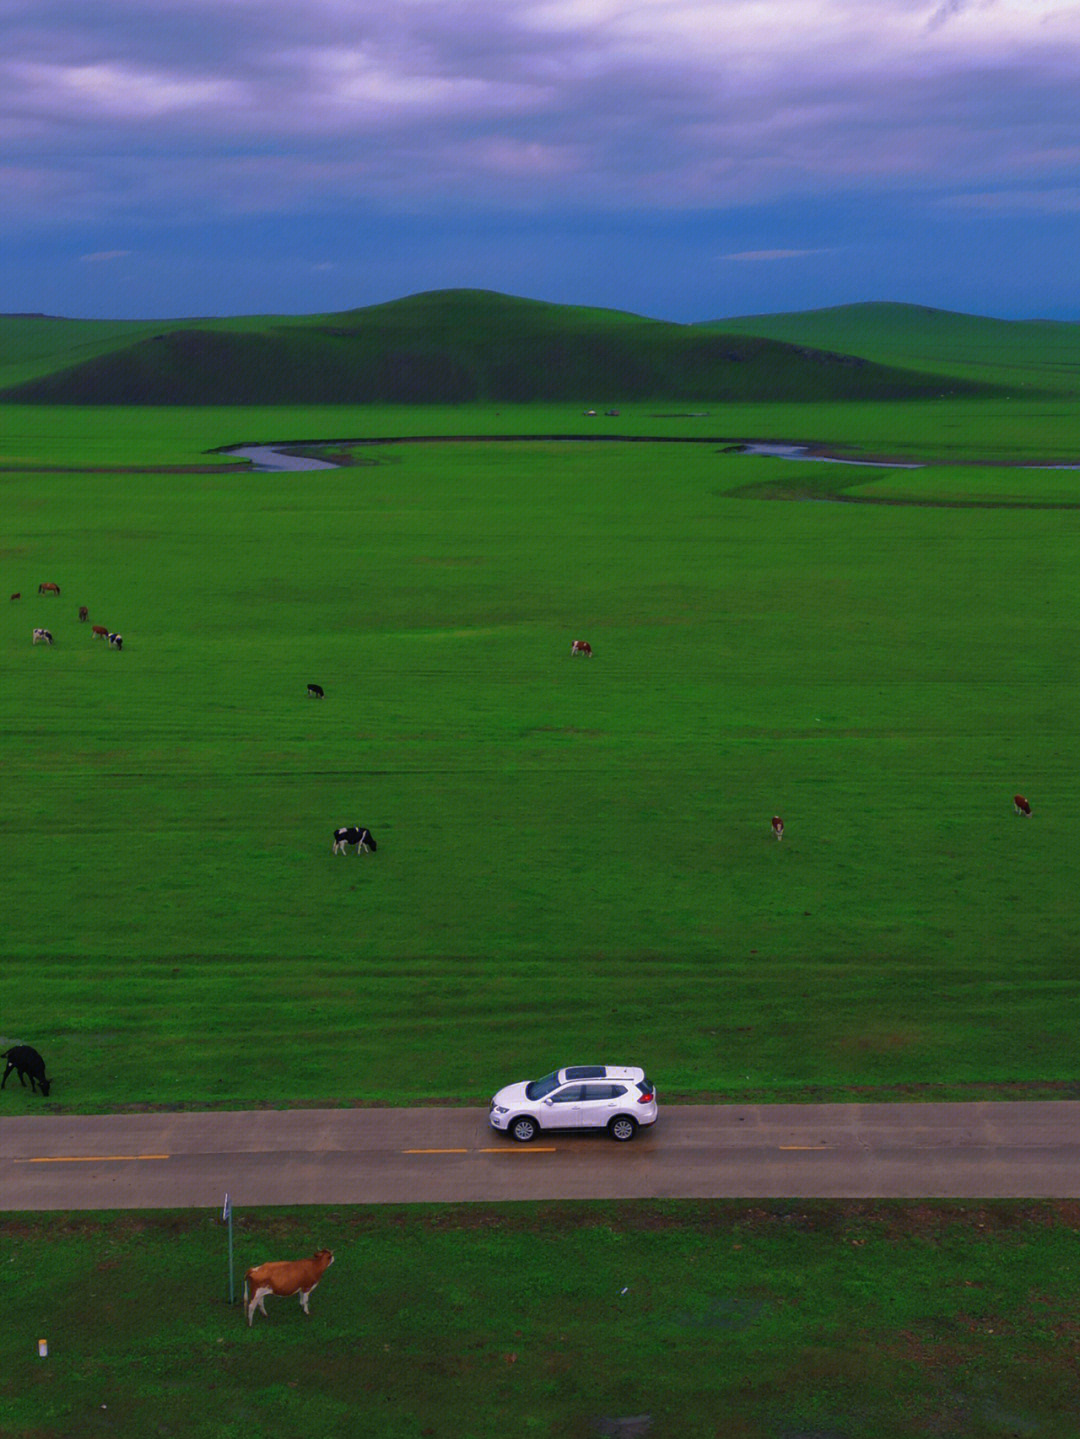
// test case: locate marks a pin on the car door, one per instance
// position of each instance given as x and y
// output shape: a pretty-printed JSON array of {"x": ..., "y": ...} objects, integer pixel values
[
  {"x": 598, "y": 1104},
  {"x": 561, "y": 1109}
]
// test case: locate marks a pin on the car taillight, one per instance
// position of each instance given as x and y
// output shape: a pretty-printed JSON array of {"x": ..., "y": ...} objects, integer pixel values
[{"x": 646, "y": 1099}]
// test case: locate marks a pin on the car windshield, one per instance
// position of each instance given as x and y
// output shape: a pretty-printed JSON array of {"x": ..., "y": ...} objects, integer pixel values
[{"x": 538, "y": 1088}]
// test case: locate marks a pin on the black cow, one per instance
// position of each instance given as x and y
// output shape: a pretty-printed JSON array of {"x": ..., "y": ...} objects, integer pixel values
[
  {"x": 316, "y": 692},
  {"x": 28, "y": 1062},
  {"x": 353, "y": 834},
  {"x": 116, "y": 641}
]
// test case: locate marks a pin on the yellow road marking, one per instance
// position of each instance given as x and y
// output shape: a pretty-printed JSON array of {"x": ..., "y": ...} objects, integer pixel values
[
  {"x": 498, "y": 1149},
  {"x": 529, "y": 1149},
  {"x": 434, "y": 1151},
  {"x": 87, "y": 1158}
]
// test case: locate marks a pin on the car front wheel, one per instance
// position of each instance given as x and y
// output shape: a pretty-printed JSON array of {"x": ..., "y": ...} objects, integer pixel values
[
  {"x": 622, "y": 1127},
  {"x": 524, "y": 1129}
]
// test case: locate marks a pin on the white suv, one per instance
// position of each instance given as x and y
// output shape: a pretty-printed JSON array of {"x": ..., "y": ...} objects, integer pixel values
[{"x": 591, "y": 1096}]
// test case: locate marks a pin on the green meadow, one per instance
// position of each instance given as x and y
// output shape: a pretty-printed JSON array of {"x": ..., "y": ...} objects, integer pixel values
[
  {"x": 575, "y": 858},
  {"x": 754, "y": 1320}
]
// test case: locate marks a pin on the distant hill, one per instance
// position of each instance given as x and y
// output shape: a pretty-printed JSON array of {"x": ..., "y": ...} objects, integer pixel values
[
  {"x": 448, "y": 346},
  {"x": 1038, "y": 354}
]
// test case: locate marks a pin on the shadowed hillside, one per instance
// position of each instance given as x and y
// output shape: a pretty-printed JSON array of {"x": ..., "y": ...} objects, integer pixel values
[{"x": 436, "y": 348}]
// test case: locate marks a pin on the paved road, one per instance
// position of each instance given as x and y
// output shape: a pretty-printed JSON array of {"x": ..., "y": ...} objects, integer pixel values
[{"x": 379, "y": 1156}]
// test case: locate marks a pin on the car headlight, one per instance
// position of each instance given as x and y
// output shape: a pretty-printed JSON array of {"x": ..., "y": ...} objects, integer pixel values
[{"x": 498, "y": 1108}]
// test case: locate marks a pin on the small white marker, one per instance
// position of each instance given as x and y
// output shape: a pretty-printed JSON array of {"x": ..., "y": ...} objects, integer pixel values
[
  {"x": 43, "y": 1348},
  {"x": 623, "y": 1291}
]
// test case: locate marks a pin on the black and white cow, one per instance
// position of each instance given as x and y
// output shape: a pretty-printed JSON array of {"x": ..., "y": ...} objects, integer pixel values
[
  {"x": 353, "y": 834},
  {"x": 116, "y": 642},
  {"x": 26, "y": 1061},
  {"x": 42, "y": 637},
  {"x": 316, "y": 692}
]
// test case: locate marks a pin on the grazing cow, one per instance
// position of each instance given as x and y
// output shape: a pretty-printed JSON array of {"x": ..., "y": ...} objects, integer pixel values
[
  {"x": 316, "y": 692},
  {"x": 1020, "y": 804},
  {"x": 581, "y": 647},
  {"x": 285, "y": 1277},
  {"x": 778, "y": 826},
  {"x": 17, "y": 595},
  {"x": 116, "y": 642},
  {"x": 353, "y": 834},
  {"x": 100, "y": 632},
  {"x": 49, "y": 590},
  {"x": 84, "y": 613},
  {"x": 42, "y": 637},
  {"x": 27, "y": 1062}
]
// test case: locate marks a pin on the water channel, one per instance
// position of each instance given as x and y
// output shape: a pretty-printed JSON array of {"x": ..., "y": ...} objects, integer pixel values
[{"x": 273, "y": 459}]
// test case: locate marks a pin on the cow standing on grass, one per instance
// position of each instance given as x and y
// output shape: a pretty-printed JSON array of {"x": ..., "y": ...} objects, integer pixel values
[
  {"x": 581, "y": 647},
  {"x": 285, "y": 1277},
  {"x": 26, "y": 1061},
  {"x": 778, "y": 826},
  {"x": 49, "y": 589},
  {"x": 43, "y": 637},
  {"x": 1020, "y": 804},
  {"x": 353, "y": 834}
]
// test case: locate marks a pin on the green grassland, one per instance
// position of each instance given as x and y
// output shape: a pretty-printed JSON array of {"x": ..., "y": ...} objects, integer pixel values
[
  {"x": 574, "y": 856},
  {"x": 734, "y": 1319}
]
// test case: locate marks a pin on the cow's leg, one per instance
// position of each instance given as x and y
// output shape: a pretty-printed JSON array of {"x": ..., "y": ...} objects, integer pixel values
[
  {"x": 303, "y": 1301},
  {"x": 7, "y": 1071}
]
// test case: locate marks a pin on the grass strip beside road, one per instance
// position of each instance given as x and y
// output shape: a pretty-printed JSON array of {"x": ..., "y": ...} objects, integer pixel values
[{"x": 755, "y": 1319}]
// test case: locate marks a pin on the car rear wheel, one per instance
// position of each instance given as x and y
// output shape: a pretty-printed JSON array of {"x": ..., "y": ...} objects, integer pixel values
[
  {"x": 622, "y": 1127},
  {"x": 523, "y": 1129}
]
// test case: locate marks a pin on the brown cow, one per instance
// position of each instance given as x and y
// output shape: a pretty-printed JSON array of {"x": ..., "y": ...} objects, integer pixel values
[
  {"x": 100, "y": 632},
  {"x": 285, "y": 1277},
  {"x": 1020, "y": 804},
  {"x": 581, "y": 647},
  {"x": 84, "y": 613},
  {"x": 48, "y": 589},
  {"x": 778, "y": 826},
  {"x": 17, "y": 595}
]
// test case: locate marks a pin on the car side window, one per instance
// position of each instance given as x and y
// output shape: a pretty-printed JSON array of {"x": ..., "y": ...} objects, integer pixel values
[
  {"x": 603, "y": 1091},
  {"x": 571, "y": 1094}
]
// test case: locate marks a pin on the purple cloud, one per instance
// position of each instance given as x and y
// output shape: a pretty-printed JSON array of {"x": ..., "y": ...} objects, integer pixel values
[{"x": 127, "y": 111}]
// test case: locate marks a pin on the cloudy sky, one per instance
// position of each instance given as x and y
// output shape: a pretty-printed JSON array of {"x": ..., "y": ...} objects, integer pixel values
[{"x": 686, "y": 159}]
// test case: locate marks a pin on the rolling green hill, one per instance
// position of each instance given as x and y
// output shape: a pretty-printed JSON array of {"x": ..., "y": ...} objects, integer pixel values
[
  {"x": 442, "y": 347},
  {"x": 1041, "y": 355}
]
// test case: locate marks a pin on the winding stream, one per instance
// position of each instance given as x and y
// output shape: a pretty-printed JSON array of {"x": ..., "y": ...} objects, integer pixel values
[{"x": 272, "y": 459}]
